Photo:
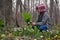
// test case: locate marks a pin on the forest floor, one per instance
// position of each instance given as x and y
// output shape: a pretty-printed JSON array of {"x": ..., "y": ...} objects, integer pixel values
[{"x": 27, "y": 33}]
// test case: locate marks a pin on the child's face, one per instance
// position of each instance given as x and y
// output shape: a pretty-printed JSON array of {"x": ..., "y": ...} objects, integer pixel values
[{"x": 40, "y": 11}]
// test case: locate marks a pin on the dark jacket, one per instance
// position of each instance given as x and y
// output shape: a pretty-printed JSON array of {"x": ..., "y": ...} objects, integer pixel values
[{"x": 44, "y": 20}]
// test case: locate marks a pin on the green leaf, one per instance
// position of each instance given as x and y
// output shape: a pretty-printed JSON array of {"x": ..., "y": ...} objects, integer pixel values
[
  {"x": 36, "y": 32},
  {"x": 1, "y": 22},
  {"x": 26, "y": 17}
]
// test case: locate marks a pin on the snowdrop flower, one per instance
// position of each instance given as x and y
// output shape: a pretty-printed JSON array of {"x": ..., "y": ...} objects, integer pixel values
[
  {"x": 15, "y": 29},
  {"x": 51, "y": 32},
  {"x": 47, "y": 30},
  {"x": 32, "y": 30},
  {"x": 16, "y": 39},
  {"x": 41, "y": 36},
  {"x": 57, "y": 32},
  {"x": 3, "y": 35},
  {"x": 35, "y": 39},
  {"x": 24, "y": 28}
]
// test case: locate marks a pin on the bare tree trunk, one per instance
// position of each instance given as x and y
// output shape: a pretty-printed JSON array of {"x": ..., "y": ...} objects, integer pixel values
[
  {"x": 7, "y": 9},
  {"x": 56, "y": 8},
  {"x": 20, "y": 6},
  {"x": 51, "y": 9},
  {"x": 28, "y": 5},
  {"x": 1, "y": 10},
  {"x": 46, "y": 5},
  {"x": 25, "y": 6},
  {"x": 18, "y": 13}
]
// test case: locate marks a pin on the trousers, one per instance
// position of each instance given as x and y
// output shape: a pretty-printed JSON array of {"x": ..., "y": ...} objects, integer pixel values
[{"x": 41, "y": 27}]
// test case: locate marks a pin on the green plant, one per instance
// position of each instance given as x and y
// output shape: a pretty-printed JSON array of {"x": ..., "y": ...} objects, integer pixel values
[
  {"x": 28, "y": 31},
  {"x": 17, "y": 32},
  {"x": 59, "y": 32},
  {"x": 26, "y": 17},
  {"x": 1, "y": 27},
  {"x": 36, "y": 32},
  {"x": 1, "y": 23}
]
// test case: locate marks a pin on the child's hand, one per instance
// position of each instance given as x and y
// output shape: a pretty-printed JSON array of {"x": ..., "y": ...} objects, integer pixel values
[{"x": 33, "y": 23}]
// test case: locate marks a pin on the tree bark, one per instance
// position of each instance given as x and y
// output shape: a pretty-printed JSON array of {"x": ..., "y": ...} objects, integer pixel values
[
  {"x": 18, "y": 13},
  {"x": 7, "y": 10},
  {"x": 56, "y": 8},
  {"x": 51, "y": 9}
]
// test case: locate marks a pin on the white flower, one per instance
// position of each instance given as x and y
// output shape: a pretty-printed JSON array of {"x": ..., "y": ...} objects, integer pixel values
[
  {"x": 3, "y": 35},
  {"x": 15, "y": 29},
  {"x": 32, "y": 30},
  {"x": 47, "y": 30},
  {"x": 41, "y": 36},
  {"x": 51, "y": 32},
  {"x": 35, "y": 39},
  {"x": 16, "y": 39},
  {"x": 24, "y": 28},
  {"x": 57, "y": 32}
]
